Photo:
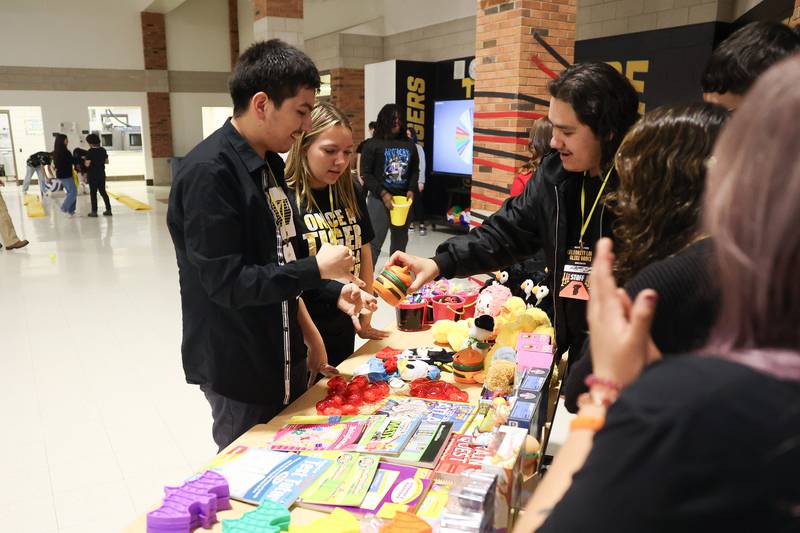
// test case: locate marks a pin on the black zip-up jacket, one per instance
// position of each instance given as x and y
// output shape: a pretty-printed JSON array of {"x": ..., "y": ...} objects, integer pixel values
[
  {"x": 232, "y": 288},
  {"x": 535, "y": 220}
]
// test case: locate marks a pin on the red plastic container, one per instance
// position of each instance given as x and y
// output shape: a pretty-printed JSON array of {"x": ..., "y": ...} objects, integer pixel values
[
  {"x": 447, "y": 307},
  {"x": 469, "y": 303},
  {"x": 411, "y": 317}
]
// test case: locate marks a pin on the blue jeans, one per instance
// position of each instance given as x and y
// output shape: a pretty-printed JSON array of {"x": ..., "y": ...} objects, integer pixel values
[
  {"x": 27, "y": 181},
  {"x": 72, "y": 195}
]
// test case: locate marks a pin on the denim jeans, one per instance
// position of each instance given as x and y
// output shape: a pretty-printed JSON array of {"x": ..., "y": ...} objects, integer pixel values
[
  {"x": 29, "y": 174},
  {"x": 72, "y": 195}
]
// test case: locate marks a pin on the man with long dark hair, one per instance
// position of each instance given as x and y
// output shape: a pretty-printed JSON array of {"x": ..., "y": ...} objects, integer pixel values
[
  {"x": 390, "y": 167},
  {"x": 562, "y": 209}
]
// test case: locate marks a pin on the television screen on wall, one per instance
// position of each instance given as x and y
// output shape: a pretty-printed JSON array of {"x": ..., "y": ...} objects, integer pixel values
[{"x": 452, "y": 136}]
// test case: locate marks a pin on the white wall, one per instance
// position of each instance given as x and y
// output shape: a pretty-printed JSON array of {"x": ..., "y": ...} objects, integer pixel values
[
  {"x": 27, "y": 140},
  {"x": 321, "y": 17},
  {"x": 214, "y": 117},
  {"x": 197, "y": 36},
  {"x": 187, "y": 117},
  {"x": 379, "y": 88},
  {"x": 73, "y": 106},
  {"x": 77, "y": 33},
  {"x": 412, "y": 14}
]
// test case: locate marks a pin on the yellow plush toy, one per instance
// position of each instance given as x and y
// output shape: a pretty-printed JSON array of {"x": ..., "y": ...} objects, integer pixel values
[
  {"x": 514, "y": 319},
  {"x": 448, "y": 332}
]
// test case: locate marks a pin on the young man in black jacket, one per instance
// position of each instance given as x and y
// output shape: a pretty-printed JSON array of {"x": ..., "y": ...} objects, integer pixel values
[
  {"x": 562, "y": 209},
  {"x": 241, "y": 264}
]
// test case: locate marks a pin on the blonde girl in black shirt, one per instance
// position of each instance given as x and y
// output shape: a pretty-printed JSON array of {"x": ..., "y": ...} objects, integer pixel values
[{"x": 332, "y": 210}]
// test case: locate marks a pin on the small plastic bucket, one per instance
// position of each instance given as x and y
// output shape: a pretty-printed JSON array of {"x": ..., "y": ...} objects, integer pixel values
[
  {"x": 401, "y": 205},
  {"x": 410, "y": 317},
  {"x": 447, "y": 307},
  {"x": 470, "y": 298}
]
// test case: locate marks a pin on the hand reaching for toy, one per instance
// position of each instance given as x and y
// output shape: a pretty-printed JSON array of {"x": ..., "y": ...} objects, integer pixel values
[
  {"x": 620, "y": 329},
  {"x": 368, "y": 332},
  {"x": 424, "y": 270}
]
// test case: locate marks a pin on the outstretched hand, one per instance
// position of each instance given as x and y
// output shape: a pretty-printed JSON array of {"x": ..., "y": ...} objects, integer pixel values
[
  {"x": 354, "y": 302},
  {"x": 619, "y": 329},
  {"x": 424, "y": 270}
]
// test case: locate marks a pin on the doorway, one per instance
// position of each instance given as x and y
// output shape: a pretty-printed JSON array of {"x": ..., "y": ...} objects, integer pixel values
[{"x": 8, "y": 167}]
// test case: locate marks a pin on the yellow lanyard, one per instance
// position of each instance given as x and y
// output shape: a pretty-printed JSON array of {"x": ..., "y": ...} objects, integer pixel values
[
  {"x": 276, "y": 210},
  {"x": 585, "y": 221},
  {"x": 331, "y": 233}
]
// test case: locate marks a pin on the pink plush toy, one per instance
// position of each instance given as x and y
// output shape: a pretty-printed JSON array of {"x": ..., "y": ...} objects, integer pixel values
[{"x": 491, "y": 299}]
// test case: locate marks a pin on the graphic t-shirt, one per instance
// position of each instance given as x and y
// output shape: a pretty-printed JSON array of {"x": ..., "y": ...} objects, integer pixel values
[
  {"x": 340, "y": 225},
  {"x": 38, "y": 159},
  {"x": 390, "y": 165}
]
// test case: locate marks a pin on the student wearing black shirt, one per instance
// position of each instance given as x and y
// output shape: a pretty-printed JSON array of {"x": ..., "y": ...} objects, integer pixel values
[
  {"x": 332, "y": 210},
  {"x": 96, "y": 160},
  {"x": 360, "y": 150},
  {"x": 660, "y": 244},
  {"x": 708, "y": 441},
  {"x": 62, "y": 160},
  {"x": 562, "y": 209},
  {"x": 240, "y": 263},
  {"x": 390, "y": 167},
  {"x": 37, "y": 162}
]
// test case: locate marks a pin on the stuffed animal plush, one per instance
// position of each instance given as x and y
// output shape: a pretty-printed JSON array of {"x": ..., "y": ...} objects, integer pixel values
[
  {"x": 515, "y": 319},
  {"x": 479, "y": 333},
  {"x": 499, "y": 377},
  {"x": 491, "y": 299},
  {"x": 411, "y": 370},
  {"x": 448, "y": 332}
]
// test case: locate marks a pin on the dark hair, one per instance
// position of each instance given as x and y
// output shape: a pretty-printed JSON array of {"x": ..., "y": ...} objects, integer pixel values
[
  {"x": 93, "y": 138},
  {"x": 751, "y": 211},
  {"x": 538, "y": 144},
  {"x": 372, "y": 125},
  {"x": 383, "y": 127},
  {"x": 60, "y": 150},
  {"x": 746, "y": 54},
  {"x": 412, "y": 134},
  {"x": 662, "y": 169},
  {"x": 274, "y": 67},
  {"x": 602, "y": 98}
]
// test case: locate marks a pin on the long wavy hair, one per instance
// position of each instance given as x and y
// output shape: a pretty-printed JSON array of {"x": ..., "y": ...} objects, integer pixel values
[
  {"x": 323, "y": 117},
  {"x": 751, "y": 209},
  {"x": 538, "y": 144},
  {"x": 662, "y": 167}
]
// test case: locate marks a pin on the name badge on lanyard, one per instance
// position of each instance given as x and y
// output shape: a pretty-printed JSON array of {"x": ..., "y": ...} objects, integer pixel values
[
  {"x": 578, "y": 266},
  {"x": 282, "y": 213}
]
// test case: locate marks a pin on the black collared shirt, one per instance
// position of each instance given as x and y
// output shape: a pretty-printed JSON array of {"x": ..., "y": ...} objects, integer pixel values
[{"x": 231, "y": 284}]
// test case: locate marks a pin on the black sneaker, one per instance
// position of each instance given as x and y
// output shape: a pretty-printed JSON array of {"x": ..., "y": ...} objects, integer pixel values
[
  {"x": 92, "y": 214},
  {"x": 106, "y": 213}
]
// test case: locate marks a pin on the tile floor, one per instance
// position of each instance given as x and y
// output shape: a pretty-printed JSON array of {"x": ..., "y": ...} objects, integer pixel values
[{"x": 96, "y": 414}]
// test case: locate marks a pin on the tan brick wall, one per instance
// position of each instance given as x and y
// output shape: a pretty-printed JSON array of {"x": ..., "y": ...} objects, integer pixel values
[
  {"x": 277, "y": 8},
  {"x": 233, "y": 30},
  {"x": 505, "y": 47},
  {"x": 154, "y": 41},
  {"x": 158, "y": 112},
  {"x": 347, "y": 93}
]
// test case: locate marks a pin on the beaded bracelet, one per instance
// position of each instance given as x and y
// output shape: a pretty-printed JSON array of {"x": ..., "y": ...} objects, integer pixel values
[
  {"x": 593, "y": 423},
  {"x": 591, "y": 380}
]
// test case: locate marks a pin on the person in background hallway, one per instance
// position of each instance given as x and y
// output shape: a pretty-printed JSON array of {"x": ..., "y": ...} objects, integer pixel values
[
  {"x": 38, "y": 162},
  {"x": 7, "y": 232},
  {"x": 539, "y": 146},
  {"x": 62, "y": 160},
  {"x": 79, "y": 166},
  {"x": 418, "y": 209},
  {"x": 96, "y": 160},
  {"x": 390, "y": 166},
  {"x": 359, "y": 151}
]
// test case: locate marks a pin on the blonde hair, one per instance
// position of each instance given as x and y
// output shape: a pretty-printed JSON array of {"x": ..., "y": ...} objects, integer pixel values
[{"x": 323, "y": 117}]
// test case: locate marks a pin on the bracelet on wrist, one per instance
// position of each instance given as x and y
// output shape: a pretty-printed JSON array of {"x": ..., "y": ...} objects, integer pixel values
[{"x": 592, "y": 380}]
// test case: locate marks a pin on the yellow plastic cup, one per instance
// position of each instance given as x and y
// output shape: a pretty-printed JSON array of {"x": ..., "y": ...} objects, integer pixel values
[{"x": 400, "y": 208}]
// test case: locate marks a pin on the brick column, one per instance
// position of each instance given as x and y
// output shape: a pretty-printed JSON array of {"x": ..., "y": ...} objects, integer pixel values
[
  {"x": 233, "y": 31},
  {"x": 520, "y": 46},
  {"x": 154, "y": 42},
  {"x": 278, "y": 19},
  {"x": 347, "y": 93}
]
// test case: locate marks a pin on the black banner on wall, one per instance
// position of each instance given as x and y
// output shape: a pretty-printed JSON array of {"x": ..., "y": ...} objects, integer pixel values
[
  {"x": 418, "y": 85},
  {"x": 664, "y": 65}
]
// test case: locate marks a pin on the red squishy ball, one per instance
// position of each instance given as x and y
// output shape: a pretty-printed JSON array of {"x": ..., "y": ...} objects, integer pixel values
[
  {"x": 348, "y": 409},
  {"x": 332, "y": 411}
]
